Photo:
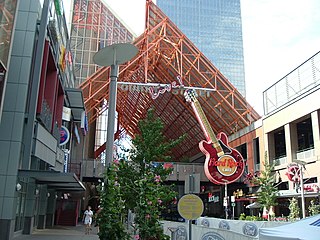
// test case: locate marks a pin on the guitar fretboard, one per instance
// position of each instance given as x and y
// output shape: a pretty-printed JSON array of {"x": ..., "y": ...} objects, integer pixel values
[{"x": 206, "y": 127}]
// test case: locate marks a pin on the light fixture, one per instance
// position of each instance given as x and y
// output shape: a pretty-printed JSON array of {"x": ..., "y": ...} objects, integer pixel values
[
  {"x": 18, "y": 187},
  {"x": 37, "y": 191},
  {"x": 48, "y": 194}
]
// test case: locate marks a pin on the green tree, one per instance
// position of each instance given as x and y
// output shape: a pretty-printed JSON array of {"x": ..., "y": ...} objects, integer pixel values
[
  {"x": 141, "y": 181},
  {"x": 314, "y": 208},
  {"x": 294, "y": 210},
  {"x": 267, "y": 194},
  {"x": 149, "y": 147},
  {"x": 110, "y": 219}
]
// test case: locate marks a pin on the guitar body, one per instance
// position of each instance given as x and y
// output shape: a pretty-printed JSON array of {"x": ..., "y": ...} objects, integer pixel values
[
  {"x": 223, "y": 169},
  {"x": 223, "y": 164}
]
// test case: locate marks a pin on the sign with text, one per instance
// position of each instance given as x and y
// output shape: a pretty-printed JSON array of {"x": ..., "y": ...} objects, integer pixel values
[{"x": 190, "y": 207}]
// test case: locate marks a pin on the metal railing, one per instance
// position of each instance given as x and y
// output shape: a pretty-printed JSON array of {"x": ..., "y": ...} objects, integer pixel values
[
  {"x": 306, "y": 154},
  {"x": 280, "y": 160},
  {"x": 92, "y": 168},
  {"x": 295, "y": 84}
]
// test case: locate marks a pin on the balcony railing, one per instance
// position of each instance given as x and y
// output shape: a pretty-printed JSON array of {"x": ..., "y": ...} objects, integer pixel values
[
  {"x": 92, "y": 168},
  {"x": 298, "y": 82},
  {"x": 306, "y": 154},
  {"x": 280, "y": 160}
]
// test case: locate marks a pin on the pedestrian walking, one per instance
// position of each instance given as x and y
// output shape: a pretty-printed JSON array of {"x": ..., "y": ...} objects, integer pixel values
[{"x": 87, "y": 219}]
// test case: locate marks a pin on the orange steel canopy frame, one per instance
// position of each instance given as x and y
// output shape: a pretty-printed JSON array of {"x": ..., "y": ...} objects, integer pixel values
[{"x": 166, "y": 54}]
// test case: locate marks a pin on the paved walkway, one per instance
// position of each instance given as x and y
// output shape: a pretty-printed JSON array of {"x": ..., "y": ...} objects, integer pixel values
[{"x": 60, "y": 233}]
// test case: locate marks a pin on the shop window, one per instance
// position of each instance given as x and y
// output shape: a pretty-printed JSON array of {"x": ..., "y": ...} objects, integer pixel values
[
  {"x": 256, "y": 151},
  {"x": 304, "y": 135},
  {"x": 279, "y": 144},
  {"x": 242, "y": 149}
]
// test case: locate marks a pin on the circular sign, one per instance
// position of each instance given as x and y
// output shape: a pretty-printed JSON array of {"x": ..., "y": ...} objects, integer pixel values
[
  {"x": 250, "y": 229},
  {"x": 227, "y": 165},
  {"x": 224, "y": 225},
  {"x": 212, "y": 236},
  {"x": 222, "y": 168},
  {"x": 190, "y": 207},
  {"x": 205, "y": 223},
  {"x": 181, "y": 233},
  {"x": 64, "y": 135}
]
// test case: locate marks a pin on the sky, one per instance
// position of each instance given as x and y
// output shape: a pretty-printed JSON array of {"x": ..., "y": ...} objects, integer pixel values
[{"x": 278, "y": 36}]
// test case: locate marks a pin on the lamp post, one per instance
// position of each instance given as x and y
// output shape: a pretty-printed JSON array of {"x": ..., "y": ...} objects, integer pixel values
[
  {"x": 301, "y": 165},
  {"x": 113, "y": 55},
  {"x": 302, "y": 192}
]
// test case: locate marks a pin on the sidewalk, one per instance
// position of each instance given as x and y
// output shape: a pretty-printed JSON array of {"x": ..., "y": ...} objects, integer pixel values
[{"x": 60, "y": 233}]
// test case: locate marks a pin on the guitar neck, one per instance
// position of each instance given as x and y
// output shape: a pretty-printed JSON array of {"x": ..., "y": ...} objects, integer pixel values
[{"x": 206, "y": 127}]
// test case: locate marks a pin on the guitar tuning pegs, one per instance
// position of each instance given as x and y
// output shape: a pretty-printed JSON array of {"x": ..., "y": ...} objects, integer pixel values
[{"x": 190, "y": 95}]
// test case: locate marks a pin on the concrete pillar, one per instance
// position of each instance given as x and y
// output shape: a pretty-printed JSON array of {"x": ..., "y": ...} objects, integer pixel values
[
  {"x": 269, "y": 147},
  {"x": 290, "y": 131},
  {"x": 43, "y": 202},
  {"x": 29, "y": 208},
  {"x": 316, "y": 132},
  {"x": 51, "y": 208},
  {"x": 291, "y": 138}
]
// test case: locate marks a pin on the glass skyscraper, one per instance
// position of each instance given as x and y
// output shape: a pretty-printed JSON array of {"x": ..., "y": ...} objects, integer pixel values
[{"x": 215, "y": 27}]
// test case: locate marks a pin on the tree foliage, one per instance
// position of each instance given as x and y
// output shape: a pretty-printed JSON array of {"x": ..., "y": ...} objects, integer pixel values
[
  {"x": 267, "y": 194},
  {"x": 294, "y": 210},
  {"x": 314, "y": 208},
  {"x": 110, "y": 219},
  {"x": 138, "y": 183}
]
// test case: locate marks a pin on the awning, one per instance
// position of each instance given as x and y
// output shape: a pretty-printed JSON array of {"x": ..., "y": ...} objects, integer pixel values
[
  {"x": 55, "y": 180},
  {"x": 307, "y": 228},
  {"x": 293, "y": 193},
  {"x": 254, "y": 205},
  {"x": 75, "y": 102}
]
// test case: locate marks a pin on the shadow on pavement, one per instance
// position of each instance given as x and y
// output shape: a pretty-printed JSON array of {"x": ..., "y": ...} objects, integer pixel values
[{"x": 60, "y": 233}]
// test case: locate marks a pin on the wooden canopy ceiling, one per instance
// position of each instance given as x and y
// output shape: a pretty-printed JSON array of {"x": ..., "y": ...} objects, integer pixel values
[{"x": 165, "y": 56}]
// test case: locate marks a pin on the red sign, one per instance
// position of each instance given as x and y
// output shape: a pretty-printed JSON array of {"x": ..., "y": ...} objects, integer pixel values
[
  {"x": 224, "y": 169},
  {"x": 223, "y": 164},
  {"x": 311, "y": 187},
  {"x": 64, "y": 135}
]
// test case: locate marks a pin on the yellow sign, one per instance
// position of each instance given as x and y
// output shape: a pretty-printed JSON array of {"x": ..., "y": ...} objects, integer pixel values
[
  {"x": 227, "y": 165},
  {"x": 190, "y": 207}
]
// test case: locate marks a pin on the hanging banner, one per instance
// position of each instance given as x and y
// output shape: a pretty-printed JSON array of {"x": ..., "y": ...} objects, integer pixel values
[
  {"x": 66, "y": 114},
  {"x": 84, "y": 123},
  {"x": 57, "y": 5}
]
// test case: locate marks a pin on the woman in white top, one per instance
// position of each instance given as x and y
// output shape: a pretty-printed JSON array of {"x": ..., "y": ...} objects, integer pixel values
[{"x": 87, "y": 219}]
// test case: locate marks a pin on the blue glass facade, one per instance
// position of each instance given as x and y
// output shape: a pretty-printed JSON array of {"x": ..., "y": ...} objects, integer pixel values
[{"x": 215, "y": 27}]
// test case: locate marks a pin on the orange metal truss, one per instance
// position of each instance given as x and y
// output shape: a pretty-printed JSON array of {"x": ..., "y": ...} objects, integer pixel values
[{"x": 166, "y": 54}]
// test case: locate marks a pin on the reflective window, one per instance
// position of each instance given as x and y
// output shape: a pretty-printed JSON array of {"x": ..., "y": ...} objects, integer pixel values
[{"x": 215, "y": 27}]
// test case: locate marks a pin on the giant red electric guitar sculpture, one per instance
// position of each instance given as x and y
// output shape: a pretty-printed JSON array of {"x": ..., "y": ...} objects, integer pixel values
[{"x": 223, "y": 164}]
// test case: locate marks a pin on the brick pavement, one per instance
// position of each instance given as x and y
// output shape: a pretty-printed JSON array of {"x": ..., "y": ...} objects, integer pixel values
[{"x": 60, "y": 233}]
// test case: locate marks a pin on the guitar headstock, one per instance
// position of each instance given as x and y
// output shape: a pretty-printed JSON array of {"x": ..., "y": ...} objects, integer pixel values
[{"x": 191, "y": 95}]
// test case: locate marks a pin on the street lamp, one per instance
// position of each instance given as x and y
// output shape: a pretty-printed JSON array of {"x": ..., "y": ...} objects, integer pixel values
[
  {"x": 113, "y": 55},
  {"x": 301, "y": 164}
]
